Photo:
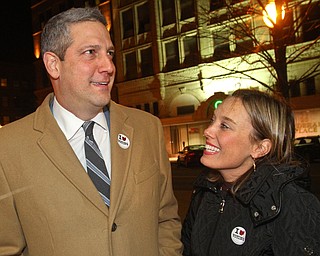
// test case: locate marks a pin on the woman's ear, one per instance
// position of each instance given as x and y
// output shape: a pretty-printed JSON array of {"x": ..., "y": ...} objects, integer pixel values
[
  {"x": 51, "y": 62},
  {"x": 262, "y": 148}
]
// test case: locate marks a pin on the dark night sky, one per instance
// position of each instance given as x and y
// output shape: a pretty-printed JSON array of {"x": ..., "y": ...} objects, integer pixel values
[{"x": 16, "y": 32}]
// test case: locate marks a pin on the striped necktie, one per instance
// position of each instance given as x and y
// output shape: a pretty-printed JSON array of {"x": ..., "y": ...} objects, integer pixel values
[{"x": 96, "y": 166}]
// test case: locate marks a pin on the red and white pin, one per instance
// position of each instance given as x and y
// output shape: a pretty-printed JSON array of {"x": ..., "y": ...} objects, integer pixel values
[
  {"x": 238, "y": 235},
  {"x": 123, "y": 141}
]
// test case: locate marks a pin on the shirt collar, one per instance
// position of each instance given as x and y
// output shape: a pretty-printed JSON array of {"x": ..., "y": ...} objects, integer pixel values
[
  {"x": 101, "y": 120},
  {"x": 69, "y": 123}
]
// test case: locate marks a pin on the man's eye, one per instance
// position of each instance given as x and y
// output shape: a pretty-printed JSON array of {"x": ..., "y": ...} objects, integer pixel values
[
  {"x": 91, "y": 51},
  {"x": 224, "y": 126},
  {"x": 111, "y": 53}
]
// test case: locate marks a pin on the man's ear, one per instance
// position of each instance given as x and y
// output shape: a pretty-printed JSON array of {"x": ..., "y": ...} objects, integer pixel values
[
  {"x": 262, "y": 149},
  {"x": 51, "y": 62}
]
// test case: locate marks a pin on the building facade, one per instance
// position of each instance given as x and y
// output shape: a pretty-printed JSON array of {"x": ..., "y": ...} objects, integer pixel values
[
  {"x": 177, "y": 59},
  {"x": 181, "y": 57}
]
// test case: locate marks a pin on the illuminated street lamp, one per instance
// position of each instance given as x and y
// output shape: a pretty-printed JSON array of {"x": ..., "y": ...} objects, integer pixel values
[
  {"x": 270, "y": 14},
  {"x": 275, "y": 23}
]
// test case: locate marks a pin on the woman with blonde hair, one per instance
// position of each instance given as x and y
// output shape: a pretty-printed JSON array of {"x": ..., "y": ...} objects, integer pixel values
[{"x": 248, "y": 203}]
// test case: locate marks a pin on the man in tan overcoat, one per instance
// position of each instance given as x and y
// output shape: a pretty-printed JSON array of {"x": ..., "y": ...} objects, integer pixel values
[{"x": 48, "y": 203}]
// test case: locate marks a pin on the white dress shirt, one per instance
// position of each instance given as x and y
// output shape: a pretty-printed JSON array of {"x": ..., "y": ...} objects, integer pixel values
[{"x": 71, "y": 126}]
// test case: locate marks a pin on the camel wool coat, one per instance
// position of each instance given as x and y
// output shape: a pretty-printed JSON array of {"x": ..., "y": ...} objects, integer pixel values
[{"x": 49, "y": 206}]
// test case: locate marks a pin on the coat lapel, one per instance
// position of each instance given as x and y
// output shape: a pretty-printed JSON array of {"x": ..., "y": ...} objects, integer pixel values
[
  {"x": 57, "y": 149},
  {"x": 120, "y": 156}
]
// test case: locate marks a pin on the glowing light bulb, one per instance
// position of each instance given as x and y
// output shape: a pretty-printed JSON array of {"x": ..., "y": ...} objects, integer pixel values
[{"x": 270, "y": 14}]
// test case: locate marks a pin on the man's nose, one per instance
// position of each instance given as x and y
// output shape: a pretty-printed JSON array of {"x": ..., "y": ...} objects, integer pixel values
[{"x": 106, "y": 64}]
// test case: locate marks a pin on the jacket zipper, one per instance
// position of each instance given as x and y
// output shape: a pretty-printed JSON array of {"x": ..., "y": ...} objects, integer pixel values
[
  {"x": 222, "y": 204},
  {"x": 220, "y": 210}
]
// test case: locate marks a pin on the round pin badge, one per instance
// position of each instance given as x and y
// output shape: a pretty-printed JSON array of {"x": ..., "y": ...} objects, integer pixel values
[
  {"x": 238, "y": 235},
  {"x": 123, "y": 141}
]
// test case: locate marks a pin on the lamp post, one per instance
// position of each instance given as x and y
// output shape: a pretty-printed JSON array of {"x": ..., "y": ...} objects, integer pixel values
[{"x": 275, "y": 23}]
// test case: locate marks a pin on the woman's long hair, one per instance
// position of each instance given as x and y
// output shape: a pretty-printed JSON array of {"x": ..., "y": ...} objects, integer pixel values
[{"x": 271, "y": 118}]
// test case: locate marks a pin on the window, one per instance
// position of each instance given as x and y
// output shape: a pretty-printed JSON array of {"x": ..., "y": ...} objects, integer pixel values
[
  {"x": 156, "y": 108},
  {"x": 143, "y": 18},
  {"x": 168, "y": 12},
  {"x": 147, "y": 107},
  {"x": 311, "y": 22},
  {"x": 241, "y": 38},
  {"x": 136, "y": 20},
  {"x": 187, "y": 9},
  {"x": 131, "y": 66},
  {"x": 4, "y": 82},
  {"x": 310, "y": 86},
  {"x": 216, "y": 4},
  {"x": 184, "y": 110},
  {"x": 294, "y": 89},
  {"x": 139, "y": 64},
  {"x": 172, "y": 55},
  {"x": 146, "y": 62},
  {"x": 126, "y": 2},
  {"x": 221, "y": 44},
  {"x": 127, "y": 23},
  {"x": 288, "y": 28},
  {"x": 190, "y": 45}
]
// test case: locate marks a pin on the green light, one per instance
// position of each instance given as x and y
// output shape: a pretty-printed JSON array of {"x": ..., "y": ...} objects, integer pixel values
[{"x": 217, "y": 103}]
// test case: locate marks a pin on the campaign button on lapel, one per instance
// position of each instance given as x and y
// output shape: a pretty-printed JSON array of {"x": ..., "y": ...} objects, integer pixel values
[{"x": 123, "y": 141}]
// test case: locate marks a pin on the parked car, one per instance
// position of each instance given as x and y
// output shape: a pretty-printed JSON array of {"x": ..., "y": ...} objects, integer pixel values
[
  {"x": 190, "y": 155},
  {"x": 308, "y": 148}
]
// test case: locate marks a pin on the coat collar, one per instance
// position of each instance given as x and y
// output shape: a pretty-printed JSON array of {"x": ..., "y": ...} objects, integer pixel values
[
  {"x": 275, "y": 176},
  {"x": 262, "y": 192}
]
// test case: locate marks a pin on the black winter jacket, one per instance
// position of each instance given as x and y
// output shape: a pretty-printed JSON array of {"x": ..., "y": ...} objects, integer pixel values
[{"x": 269, "y": 215}]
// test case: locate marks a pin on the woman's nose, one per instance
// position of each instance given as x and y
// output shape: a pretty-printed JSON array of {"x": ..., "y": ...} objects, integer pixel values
[
  {"x": 205, "y": 133},
  {"x": 209, "y": 132}
]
